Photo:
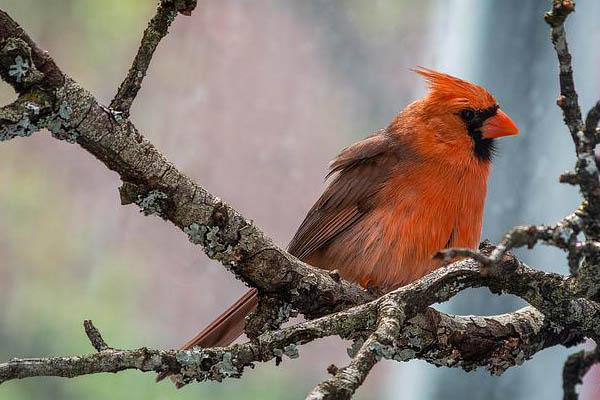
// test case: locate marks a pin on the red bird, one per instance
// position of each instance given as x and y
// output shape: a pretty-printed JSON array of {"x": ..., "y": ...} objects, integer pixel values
[{"x": 397, "y": 197}]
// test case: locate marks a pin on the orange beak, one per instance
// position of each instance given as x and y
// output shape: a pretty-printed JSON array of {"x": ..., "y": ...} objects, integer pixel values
[{"x": 499, "y": 125}]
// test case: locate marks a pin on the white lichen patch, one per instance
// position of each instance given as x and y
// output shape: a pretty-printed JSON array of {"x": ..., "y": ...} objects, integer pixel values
[
  {"x": 191, "y": 365},
  {"x": 19, "y": 69},
  {"x": 208, "y": 238},
  {"x": 23, "y": 128},
  {"x": 590, "y": 163},
  {"x": 33, "y": 107},
  {"x": 58, "y": 122}
]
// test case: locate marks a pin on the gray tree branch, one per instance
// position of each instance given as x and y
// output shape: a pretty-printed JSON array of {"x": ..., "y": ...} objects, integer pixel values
[
  {"x": 398, "y": 325},
  {"x": 158, "y": 27}
]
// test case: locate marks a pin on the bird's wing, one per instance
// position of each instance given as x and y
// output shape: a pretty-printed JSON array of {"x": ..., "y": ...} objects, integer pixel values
[{"x": 360, "y": 172}]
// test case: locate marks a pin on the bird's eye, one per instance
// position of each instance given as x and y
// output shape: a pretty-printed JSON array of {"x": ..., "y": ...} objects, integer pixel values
[{"x": 467, "y": 114}]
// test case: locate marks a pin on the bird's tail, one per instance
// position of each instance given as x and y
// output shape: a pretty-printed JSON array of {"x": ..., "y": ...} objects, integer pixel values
[{"x": 226, "y": 328}]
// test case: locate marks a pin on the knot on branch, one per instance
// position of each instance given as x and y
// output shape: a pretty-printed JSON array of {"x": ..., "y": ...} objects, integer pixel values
[
  {"x": 16, "y": 64},
  {"x": 185, "y": 7},
  {"x": 560, "y": 11}
]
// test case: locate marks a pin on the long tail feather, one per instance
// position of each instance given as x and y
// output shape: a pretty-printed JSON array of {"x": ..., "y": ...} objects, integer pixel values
[{"x": 225, "y": 329}]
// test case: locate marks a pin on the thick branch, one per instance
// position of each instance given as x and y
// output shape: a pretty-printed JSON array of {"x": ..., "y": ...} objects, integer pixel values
[
  {"x": 392, "y": 310},
  {"x": 496, "y": 343},
  {"x": 405, "y": 328}
]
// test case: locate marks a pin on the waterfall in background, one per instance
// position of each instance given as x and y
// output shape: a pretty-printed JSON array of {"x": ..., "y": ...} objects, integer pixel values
[{"x": 505, "y": 47}]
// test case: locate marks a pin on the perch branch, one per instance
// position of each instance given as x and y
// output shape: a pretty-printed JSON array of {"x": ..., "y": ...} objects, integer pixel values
[
  {"x": 398, "y": 326},
  {"x": 506, "y": 340}
]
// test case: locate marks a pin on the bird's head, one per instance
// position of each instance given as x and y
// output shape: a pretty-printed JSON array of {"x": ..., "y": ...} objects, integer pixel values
[{"x": 462, "y": 116}]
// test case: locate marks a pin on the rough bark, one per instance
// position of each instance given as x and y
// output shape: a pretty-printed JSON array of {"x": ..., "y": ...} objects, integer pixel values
[{"x": 399, "y": 325}]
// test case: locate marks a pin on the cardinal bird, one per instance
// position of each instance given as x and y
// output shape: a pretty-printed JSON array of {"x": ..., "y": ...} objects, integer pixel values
[{"x": 398, "y": 197}]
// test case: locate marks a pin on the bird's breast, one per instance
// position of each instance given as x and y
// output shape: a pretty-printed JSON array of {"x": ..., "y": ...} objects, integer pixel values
[
  {"x": 428, "y": 209},
  {"x": 416, "y": 214}
]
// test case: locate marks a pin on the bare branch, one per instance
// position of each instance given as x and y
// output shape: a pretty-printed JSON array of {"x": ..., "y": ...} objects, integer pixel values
[
  {"x": 562, "y": 235},
  {"x": 158, "y": 27},
  {"x": 568, "y": 99},
  {"x": 94, "y": 335},
  {"x": 584, "y": 137},
  {"x": 447, "y": 255},
  {"x": 496, "y": 343},
  {"x": 398, "y": 325}
]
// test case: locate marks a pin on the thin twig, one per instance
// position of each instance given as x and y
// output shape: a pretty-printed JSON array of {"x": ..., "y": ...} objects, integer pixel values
[
  {"x": 158, "y": 27},
  {"x": 448, "y": 255},
  {"x": 94, "y": 335},
  {"x": 568, "y": 99},
  {"x": 160, "y": 189}
]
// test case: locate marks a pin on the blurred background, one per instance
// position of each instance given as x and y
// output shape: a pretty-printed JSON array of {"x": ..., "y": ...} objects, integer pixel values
[{"x": 251, "y": 100}]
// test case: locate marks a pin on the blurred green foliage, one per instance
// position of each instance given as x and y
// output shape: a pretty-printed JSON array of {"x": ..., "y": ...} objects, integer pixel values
[
  {"x": 45, "y": 297},
  {"x": 45, "y": 293}
]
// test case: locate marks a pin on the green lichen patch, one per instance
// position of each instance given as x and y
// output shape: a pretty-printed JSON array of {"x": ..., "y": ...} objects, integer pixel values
[
  {"x": 59, "y": 124},
  {"x": 356, "y": 345},
  {"x": 20, "y": 119},
  {"x": 220, "y": 244},
  {"x": 225, "y": 367},
  {"x": 150, "y": 204},
  {"x": 291, "y": 351},
  {"x": 284, "y": 313},
  {"x": 384, "y": 351},
  {"x": 201, "y": 365},
  {"x": 23, "y": 127}
]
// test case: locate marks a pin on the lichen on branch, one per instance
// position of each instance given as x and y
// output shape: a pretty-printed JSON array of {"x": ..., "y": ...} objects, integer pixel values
[{"x": 398, "y": 326}]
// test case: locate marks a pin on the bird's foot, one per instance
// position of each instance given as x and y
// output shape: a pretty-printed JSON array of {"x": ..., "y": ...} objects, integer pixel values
[{"x": 374, "y": 290}]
